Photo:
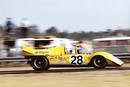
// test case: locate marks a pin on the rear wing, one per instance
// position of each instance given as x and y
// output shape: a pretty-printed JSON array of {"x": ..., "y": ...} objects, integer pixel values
[
  {"x": 27, "y": 49},
  {"x": 43, "y": 52}
]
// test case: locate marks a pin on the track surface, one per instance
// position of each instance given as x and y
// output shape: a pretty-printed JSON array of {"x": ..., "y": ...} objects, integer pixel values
[{"x": 65, "y": 77}]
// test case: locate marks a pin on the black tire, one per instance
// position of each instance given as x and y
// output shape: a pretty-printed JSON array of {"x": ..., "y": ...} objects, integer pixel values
[
  {"x": 99, "y": 62},
  {"x": 40, "y": 63}
]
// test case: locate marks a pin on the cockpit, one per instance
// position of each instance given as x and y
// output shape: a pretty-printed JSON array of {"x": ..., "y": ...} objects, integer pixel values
[
  {"x": 78, "y": 51},
  {"x": 83, "y": 51}
]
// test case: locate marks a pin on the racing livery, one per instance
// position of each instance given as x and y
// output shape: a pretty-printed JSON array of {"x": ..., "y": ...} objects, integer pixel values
[{"x": 42, "y": 59}]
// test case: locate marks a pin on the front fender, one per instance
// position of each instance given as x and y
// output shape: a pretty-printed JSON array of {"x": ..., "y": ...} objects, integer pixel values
[{"x": 109, "y": 57}]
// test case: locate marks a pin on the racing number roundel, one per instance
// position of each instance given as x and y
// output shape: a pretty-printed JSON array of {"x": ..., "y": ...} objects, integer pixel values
[{"x": 76, "y": 59}]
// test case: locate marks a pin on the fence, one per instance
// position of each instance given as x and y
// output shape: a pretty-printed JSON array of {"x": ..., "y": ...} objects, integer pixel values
[{"x": 125, "y": 49}]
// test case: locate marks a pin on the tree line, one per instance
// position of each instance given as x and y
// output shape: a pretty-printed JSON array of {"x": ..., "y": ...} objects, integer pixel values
[{"x": 81, "y": 35}]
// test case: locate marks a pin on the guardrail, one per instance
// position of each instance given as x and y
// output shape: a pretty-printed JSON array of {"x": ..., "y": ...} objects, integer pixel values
[
  {"x": 13, "y": 62},
  {"x": 13, "y": 59},
  {"x": 122, "y": 55}
]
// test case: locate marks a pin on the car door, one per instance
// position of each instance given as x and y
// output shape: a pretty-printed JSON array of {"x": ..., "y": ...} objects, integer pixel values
[{"x": 76, "y": 59}]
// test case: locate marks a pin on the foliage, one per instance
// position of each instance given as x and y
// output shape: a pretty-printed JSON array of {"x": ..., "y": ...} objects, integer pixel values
[{"x": 82, "y": 35}]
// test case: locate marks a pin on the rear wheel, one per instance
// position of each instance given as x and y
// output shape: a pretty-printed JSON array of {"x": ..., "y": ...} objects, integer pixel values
[
  {"x": 99, "y": 62},
  {"x": 40, "y": 63}
]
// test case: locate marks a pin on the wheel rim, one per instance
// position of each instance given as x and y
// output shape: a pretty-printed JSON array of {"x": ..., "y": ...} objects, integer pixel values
[
  {"x": 39, "y": 63},
  {"x": 99, "y": 62}
]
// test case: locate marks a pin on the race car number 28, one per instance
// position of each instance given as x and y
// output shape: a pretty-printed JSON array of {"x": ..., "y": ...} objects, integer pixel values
[{"x": 76, "y": 59}]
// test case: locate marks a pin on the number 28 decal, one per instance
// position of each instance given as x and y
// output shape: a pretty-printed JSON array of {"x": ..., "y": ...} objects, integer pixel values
[{"x": 76, "y": 59}]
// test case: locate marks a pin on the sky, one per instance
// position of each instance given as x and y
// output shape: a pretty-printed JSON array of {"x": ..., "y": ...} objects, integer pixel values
[{"x": 69, "y": 15}]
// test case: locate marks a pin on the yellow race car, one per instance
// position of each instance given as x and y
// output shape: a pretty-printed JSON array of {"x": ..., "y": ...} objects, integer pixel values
[{"x": 42, "y": 59}]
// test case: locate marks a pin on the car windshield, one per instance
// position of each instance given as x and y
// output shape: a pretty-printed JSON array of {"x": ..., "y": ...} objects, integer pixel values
[{"x": 83, "y": 51}]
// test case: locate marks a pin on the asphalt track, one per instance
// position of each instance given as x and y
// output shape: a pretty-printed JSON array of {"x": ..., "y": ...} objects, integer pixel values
[
  {"x": 60, "y": 70},
  {"x": 65, "y": 77}
]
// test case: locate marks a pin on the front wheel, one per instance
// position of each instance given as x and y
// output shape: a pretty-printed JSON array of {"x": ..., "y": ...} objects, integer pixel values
[
  {"x": 99, "y": 62},
  {"x": 40, "y": 63}
]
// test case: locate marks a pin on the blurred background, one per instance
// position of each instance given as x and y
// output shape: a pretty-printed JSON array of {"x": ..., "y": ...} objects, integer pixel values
[{"x": 102, "y": 24}]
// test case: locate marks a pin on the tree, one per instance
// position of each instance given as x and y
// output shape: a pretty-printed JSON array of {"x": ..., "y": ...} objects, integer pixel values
[
  {"x": 1, "y": 29},
  {"x": 63, "y": 34},
  {"x": 51, "y": 31},
  {"x": 33, "y": 31}
]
